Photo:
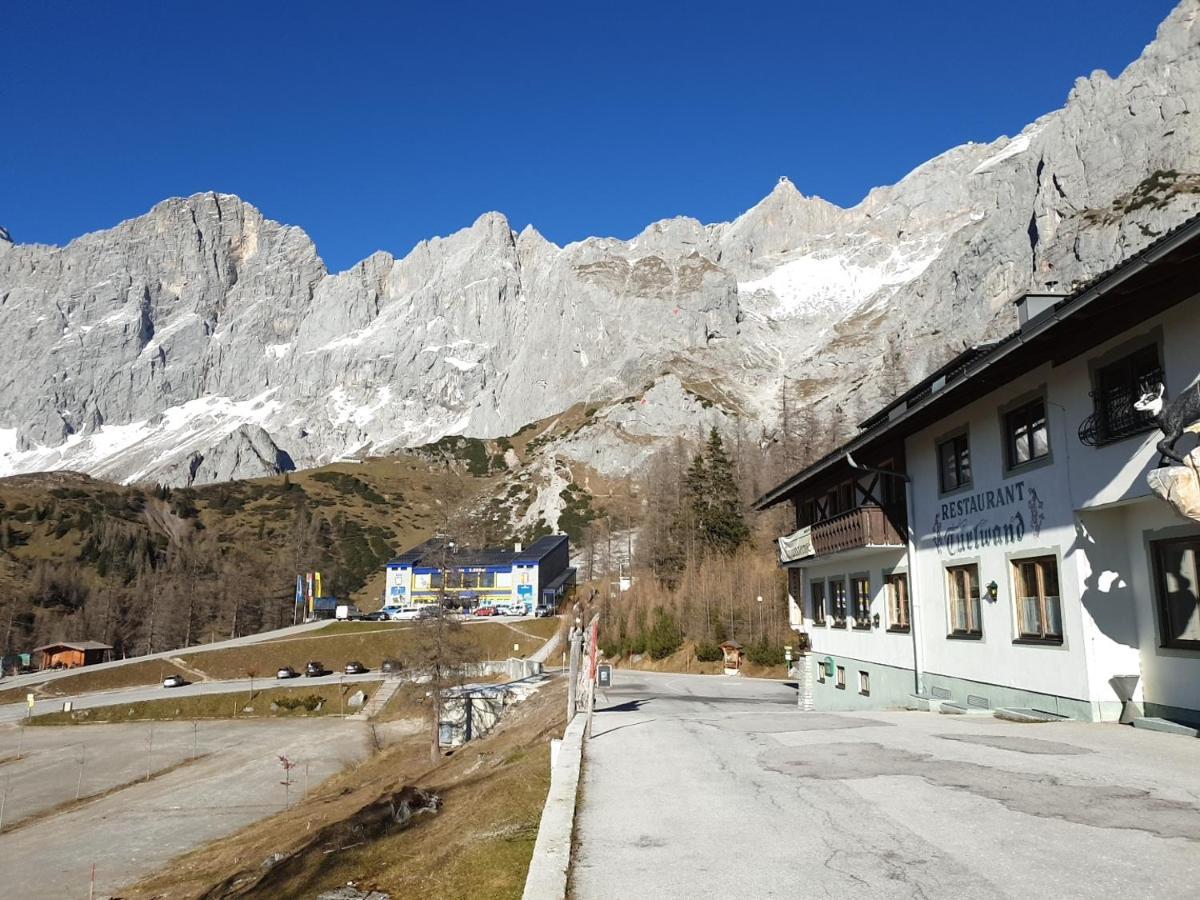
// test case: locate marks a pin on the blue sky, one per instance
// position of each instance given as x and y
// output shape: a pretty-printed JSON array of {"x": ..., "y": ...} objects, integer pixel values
[{"x": 373, "y": 126}]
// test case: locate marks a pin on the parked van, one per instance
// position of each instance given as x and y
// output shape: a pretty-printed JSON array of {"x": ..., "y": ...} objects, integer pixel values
[
  {"x": 405, "y": 613},
  {"x": 347, "y": 611}
]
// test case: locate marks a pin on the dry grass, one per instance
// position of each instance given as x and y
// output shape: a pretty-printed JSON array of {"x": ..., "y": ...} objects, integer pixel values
[
  {"x": 685, "y": 661},
  {"x": 137, "y": 674},
  {"x": 478, "y": 845},
  {"x": 231, "y": 705},
  {"x": 368, "y": 642}
]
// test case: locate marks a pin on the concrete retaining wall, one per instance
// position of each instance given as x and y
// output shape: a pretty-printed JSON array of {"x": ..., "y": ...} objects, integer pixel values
[{"x": 547, "y": 878}]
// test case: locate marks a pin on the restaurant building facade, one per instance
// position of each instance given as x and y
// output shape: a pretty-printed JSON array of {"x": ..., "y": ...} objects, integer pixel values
[
  {"x": 989, "y": 541},
  {"x": 441, "y": 570}
]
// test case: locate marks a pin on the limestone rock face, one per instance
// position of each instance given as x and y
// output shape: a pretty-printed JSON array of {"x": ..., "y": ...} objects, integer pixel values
[
  {"x": 246, "y": 452},
  {"x": 1179, "y": 485},
  {"x": 135, "y": 349}
]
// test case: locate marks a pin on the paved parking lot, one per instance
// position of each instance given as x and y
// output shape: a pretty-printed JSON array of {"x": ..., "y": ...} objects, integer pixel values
[
  {"x": 142, "y": 824},
  {"x": 699, "y": 785}
]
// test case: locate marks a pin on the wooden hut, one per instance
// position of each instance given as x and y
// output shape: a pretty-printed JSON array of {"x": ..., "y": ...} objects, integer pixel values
[
  {"x": 72, "y": 654},
  {"x": 734, "y": 657}
]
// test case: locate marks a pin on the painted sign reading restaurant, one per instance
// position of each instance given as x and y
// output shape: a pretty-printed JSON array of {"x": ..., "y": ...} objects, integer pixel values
[{"x": 1017, "y": 511}]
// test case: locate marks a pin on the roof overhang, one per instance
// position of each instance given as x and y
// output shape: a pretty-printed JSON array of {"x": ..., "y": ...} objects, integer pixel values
[{"x": 1163, "y": 275}]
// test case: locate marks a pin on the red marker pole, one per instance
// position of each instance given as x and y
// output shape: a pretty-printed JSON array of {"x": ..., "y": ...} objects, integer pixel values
[{"x": 92, "y": 883}]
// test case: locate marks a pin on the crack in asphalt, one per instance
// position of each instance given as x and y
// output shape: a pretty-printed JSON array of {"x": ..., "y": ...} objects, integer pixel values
[{"x": 1041, "y": 795}]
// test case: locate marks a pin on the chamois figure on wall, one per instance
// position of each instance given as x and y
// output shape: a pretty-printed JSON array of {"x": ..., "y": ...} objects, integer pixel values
[{"x": 1172, "y": 416}]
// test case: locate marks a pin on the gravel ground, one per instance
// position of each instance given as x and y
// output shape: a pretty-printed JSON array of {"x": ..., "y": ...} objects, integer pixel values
[{"x": 140, "y": 825}]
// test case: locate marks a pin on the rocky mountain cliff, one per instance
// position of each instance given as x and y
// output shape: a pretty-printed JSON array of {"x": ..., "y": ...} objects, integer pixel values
[{"x": 202, "y": 341}]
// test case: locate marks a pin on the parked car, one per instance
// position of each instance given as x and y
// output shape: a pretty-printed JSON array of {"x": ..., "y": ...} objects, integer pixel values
[
  {"x": 485, "y": 611},
  {"x": 174, "y": 681},
  {"x": 378, "y": 616},
  {"x": 314, "y": 669},
  {"x": 355, "y": 668},
  {"x": 542, "y": 611},
  {"x": 391, "y": 666},
  {"x": 286, "y": 672},
  {"x": 406, "y": 613},
  {"x": 431, "y": 611}
]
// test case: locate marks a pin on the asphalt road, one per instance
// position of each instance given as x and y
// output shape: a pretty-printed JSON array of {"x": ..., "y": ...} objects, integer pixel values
[
  {"x": 292, "y": 631},
  {"x": 15, "y": 712},
  {"x": 698, "y": 786},
  {"x": 41, "y": 677}
]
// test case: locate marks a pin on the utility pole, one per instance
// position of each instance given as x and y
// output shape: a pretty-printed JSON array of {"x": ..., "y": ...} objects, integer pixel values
[
  {"x": 149, "y": 751},
  {"x": 573, "y": 638},
  {"x": 4, "y": 800},
  {"x": 82, "y": 763}
]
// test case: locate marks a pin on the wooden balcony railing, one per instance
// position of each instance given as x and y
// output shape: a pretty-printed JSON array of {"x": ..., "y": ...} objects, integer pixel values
[{"x": 867, "y": 526}]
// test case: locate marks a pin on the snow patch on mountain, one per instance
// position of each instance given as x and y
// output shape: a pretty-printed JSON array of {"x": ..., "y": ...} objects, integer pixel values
[
  {"x": 827, "y": 281},
  {"x": 113, "y": 450},
  {"x": 1014, "y": 147}
]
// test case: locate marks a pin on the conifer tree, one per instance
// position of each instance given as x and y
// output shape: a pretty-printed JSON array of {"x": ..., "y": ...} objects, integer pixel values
[{"x": 723, "y": 527}]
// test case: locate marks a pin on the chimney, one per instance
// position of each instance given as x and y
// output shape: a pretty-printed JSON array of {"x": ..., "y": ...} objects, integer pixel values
[
  {"x": 1034, "y": 306},
  {"x": 517, "y": 547}
]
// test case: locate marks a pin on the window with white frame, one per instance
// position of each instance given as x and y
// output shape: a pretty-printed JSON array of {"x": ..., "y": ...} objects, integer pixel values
[
  {"x": 1177, "y": 570},
  {"x": 860, "y": 599},
  {"x": 1026, "y": 435},
  {"x": 1115, "y": 387},
  {"x": 816, "y": 591},
  {"x": 954, "y": 463},
  {"x": 896, "y": 587},
  {"x": 1039, "y": 605},
  {"x": 837, "y": 601},
  {"x": 963, "y": 587}
]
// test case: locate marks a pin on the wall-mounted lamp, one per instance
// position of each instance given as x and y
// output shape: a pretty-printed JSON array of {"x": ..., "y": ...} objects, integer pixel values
[
  {"x": 875, "y": 619},
  {"x": 993, "y": 590}
]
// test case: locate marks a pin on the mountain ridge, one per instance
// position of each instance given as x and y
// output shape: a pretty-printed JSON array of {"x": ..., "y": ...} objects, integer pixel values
[{"x": 147, "y": 344}]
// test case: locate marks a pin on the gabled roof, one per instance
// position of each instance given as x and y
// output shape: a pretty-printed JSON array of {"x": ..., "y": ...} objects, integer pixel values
[
  {"x": 1157, "y": 277},
  {"x": 430, "y": 553},
  {"x": 74, "y": 645}
]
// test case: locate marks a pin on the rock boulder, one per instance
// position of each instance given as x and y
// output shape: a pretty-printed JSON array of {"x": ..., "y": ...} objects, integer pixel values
[{"x": 1179, "y": 486}]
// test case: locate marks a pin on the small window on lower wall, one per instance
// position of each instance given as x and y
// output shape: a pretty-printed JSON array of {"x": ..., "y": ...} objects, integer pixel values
[
  {"x": 962, "y": 583},
  {"x": 864, "y": 683},
  {"x": 1177, "y": 582},
  {"x": 1039, "y": 605},
  {"x": 820, "y": 673},
  {"x": 841, "y": 678}
]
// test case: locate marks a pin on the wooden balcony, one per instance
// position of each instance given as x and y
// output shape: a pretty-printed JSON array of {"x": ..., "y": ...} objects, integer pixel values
[{"x": 867, "y": 526}]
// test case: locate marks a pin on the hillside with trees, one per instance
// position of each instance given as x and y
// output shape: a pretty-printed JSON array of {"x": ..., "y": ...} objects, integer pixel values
[
  {"x": 703, "y": 560},
  {"x": 151, "y": 568}
]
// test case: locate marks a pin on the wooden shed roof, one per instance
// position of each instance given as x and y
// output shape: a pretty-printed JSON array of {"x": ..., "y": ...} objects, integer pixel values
[{"x": 74, "y": 645}]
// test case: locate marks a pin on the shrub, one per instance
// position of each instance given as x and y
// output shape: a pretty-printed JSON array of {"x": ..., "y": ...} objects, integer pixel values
[
  {"x": 664, "y": 637},
  {"x": 764, "y": 654},
  {"x": 611, "y": 648},
  {"x": 310, "y": 703},
  {"x": 707, "y": 652}
]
